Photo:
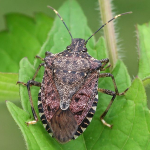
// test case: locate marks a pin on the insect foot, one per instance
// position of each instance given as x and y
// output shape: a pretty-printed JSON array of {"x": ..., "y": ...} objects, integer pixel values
[{"x": 31, "y": 122}]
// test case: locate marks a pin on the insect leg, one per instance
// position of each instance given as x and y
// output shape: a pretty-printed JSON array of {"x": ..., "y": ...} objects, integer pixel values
[
  {"x": 109, "y": 92},
  {"x": 42, "y": 64},
  {"x": 104, "y": 62},
  {"x": 114, "y": 82},
  {"x": 113, "y": 94},
  {"x": 39, "y": 57},
  {"x": 28, "y": 85}
]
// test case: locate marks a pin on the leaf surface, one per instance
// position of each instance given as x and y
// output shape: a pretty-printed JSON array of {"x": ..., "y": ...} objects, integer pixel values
[
  {"x": 8, "y": 88},
  {"x": 24, "y": 37},
  {"x": 144, "y": 53}
]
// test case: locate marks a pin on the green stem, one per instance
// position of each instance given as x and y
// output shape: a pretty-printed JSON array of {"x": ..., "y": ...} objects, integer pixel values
[{"x": 109, "y": 31}]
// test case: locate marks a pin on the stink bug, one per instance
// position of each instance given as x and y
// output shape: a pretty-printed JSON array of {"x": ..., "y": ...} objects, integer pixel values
[{"x": 68, "y": 94}]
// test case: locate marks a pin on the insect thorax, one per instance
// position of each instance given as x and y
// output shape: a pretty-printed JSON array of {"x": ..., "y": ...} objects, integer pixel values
[{"x": 70, "y": 72}]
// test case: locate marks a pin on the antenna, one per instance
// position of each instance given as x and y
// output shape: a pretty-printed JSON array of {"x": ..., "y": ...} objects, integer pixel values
[
  {"x": 107, "y": 23},
  {"x": 60, "y": 19}
]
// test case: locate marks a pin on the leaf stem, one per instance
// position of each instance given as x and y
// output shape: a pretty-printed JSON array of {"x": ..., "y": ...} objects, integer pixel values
[{"x": 109, "y": 31}]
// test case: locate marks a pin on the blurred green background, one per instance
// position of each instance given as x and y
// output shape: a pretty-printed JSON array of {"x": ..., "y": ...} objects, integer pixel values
[{"x": 10, "y": 135}]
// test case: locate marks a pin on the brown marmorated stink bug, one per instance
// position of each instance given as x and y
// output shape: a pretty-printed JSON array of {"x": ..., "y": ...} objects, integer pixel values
[{"x": 68, "y": 94}]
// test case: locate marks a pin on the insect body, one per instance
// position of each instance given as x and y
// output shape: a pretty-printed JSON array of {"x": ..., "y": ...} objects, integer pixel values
[{"x": 68, "y": 94}]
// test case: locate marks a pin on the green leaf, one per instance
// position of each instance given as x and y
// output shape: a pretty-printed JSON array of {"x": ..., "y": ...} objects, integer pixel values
[
  {"x": 138, "y": 117},
  {"x": 8, "y": 88},
  {"x": 128, "y": 114},
  {"x": 35, "y": 136},
  {"x": 24, "y": 37},
  {"x": 144, "y": 53},
  {"x": 99, "y": 52}
]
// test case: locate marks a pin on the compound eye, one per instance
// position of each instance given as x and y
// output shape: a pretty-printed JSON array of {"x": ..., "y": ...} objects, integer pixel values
[
  {"x": 84, "y": 49},
  {"x": 68, "y": 47}
]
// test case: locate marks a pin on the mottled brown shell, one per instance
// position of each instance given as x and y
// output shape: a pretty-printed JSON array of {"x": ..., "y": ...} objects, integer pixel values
[{"x": 68, "y": 96}]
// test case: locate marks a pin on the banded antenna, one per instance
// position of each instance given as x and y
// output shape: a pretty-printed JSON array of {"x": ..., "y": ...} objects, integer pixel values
[
  {"x": 60, "y": 19},
  {"x": 107, "y": 23}
]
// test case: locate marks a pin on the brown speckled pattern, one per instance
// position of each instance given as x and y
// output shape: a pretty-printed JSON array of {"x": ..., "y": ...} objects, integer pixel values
[
  {"x": 49, "y": 95},
  {"x": 68, "y": 89},
  {"x": 83, "y": 99}
]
